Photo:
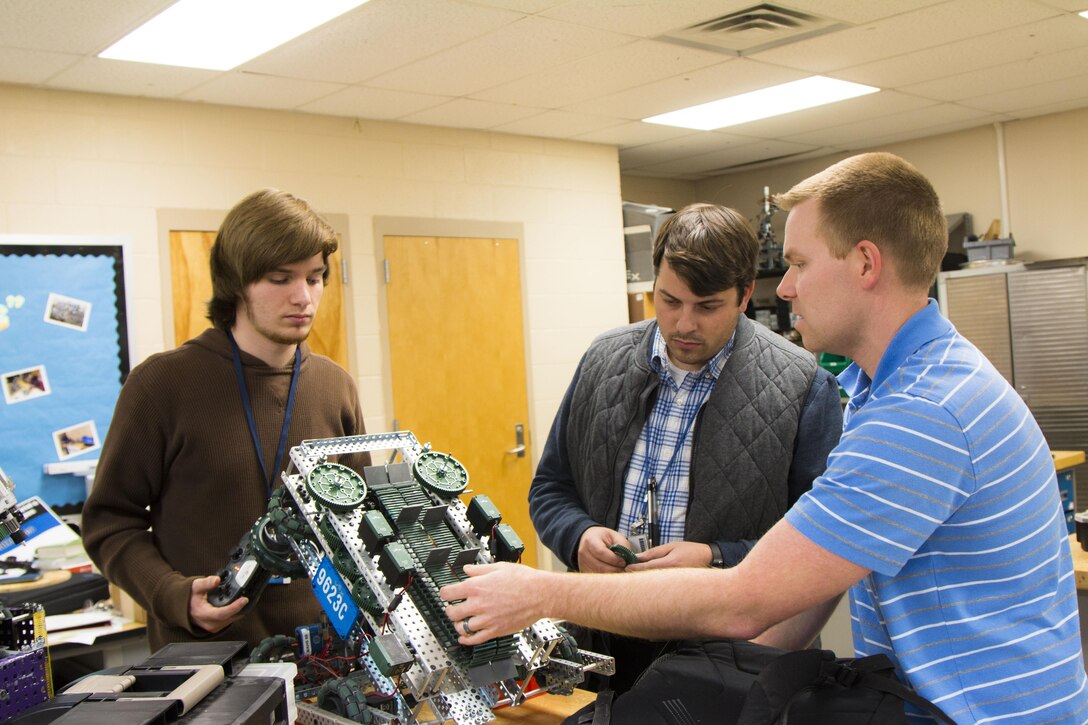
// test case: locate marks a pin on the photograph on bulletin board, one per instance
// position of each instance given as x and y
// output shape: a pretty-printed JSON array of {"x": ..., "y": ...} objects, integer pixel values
[
  {"x": 61, "y": 367},
  {"x": 26, "y": 384}
]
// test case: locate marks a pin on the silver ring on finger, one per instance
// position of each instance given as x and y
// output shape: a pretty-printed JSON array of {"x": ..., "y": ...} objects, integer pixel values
[{"x": 465, "y": 628}]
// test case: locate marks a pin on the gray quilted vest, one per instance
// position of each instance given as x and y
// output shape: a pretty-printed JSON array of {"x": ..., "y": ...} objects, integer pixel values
[{"x": 744, "y": 435}]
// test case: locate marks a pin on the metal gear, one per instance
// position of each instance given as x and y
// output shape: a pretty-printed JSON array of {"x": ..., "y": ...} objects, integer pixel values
[
  {"x": 441, "y": 473},
  {"x": 338, "y": 487}
]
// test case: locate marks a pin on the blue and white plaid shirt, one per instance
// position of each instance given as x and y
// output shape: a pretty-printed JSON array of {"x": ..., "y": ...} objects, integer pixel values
[{"x": 663, "y": 450}]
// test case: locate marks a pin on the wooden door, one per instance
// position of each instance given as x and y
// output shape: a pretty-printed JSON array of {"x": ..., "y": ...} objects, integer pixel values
[
  {"x": 457, "y": 353},
  {"x": 190, "y": 278}
]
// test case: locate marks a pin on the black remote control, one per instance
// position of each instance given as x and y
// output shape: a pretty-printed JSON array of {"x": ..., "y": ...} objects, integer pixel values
[
  {"x": 243, "y": 576},
  {"x": 624, "y": 553}
]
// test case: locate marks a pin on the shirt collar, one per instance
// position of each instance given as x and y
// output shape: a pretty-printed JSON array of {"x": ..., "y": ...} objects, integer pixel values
[
  {"x": 659, "y": 356},
  {"x": 924, "y": 326}
]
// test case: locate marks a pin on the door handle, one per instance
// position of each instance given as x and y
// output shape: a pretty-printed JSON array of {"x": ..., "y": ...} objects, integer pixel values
[{"x": 519, "y": 441}]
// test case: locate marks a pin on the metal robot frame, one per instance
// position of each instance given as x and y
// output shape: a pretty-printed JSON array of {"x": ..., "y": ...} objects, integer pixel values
[{"x": 377, "y": 548}]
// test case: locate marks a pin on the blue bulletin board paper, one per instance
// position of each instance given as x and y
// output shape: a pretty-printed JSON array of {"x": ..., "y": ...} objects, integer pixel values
[{"x": 61, "y": 314}]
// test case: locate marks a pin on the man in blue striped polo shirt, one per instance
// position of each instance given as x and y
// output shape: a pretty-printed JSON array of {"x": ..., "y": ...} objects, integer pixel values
[{"x": 939, "y": 510}]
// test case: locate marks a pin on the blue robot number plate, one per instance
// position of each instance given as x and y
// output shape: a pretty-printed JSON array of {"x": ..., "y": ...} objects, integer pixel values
[{"x": 335, "y": 598}]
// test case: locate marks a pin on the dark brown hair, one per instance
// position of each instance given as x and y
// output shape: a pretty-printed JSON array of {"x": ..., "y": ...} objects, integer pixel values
[
  {"x": 710, "y": 247},
  {"x": 267, "y": 229}
]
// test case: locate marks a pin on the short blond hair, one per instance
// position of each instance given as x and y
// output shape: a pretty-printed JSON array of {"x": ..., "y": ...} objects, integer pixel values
[{"x": 881, "y": 198}]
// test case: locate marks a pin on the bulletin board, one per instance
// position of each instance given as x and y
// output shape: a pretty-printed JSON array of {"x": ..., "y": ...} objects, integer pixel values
[{"x": 63, "y": 358}]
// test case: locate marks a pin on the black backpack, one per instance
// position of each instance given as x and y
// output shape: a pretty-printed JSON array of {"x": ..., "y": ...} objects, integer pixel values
[{"x": 741, "y": 683}]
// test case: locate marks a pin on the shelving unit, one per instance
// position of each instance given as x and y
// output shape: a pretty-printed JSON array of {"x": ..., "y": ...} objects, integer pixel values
[{"x": 1031, "y": 321}]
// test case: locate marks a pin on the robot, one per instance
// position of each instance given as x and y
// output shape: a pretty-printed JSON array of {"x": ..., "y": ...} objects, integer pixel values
[
  {"x": 770, "y": 251},
  {"x": 11, "y": 519},
  {"x": 377, "y": 547},
  {"x": 25, "y": 677}
]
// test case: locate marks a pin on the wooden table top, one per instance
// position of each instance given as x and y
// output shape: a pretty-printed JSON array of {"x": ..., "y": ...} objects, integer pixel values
[
  {"x": 1067, "y": 459},
  {"x": 1080, "y": 564},
  {"x": 545, "y": 709}
]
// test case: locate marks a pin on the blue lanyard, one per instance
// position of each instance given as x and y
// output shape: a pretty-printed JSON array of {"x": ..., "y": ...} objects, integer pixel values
[{"x": 249, "y": 410}]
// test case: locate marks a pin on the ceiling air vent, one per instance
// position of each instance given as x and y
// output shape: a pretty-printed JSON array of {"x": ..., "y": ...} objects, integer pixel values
[{"x": 753, "y": 29}]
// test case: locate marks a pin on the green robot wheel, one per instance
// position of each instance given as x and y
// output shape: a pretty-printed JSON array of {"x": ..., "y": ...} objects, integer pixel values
[
  {"x": 338, "y": 487},
  {"x": 441, "y": 473}
]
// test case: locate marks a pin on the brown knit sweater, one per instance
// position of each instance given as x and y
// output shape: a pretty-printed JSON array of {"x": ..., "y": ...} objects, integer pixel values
[{"x": 178, "y": 481}]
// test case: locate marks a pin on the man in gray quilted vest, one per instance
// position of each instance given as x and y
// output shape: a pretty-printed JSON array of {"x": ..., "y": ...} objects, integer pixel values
[{"x": 685, "y": 438}]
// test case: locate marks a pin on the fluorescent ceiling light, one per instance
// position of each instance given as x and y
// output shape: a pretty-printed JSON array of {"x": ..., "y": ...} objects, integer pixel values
[
  {"x": 1083, "y": 14},
  {"x": 764, "y": 103},
  {"x": 222, "y": 34}
]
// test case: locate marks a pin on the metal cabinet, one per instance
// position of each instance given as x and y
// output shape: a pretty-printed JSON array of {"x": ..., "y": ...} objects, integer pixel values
[{"x": 1031, "y": 321}]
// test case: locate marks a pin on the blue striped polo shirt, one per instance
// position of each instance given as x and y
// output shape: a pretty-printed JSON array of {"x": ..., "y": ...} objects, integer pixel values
[{"x": 944, "y": 487}]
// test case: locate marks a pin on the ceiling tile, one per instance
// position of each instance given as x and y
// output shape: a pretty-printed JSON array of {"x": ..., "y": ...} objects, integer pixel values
[
  {"x": 940, "y": 128},
  {"x": 250, "y": 89},
  {"x": 651, "y": 18},
  {"x": 1006, "y": 77},
  {"x": 687, "y": 89},
  {"x": 633, "y": 133},
  {"x": 859, "y": 11},
  {"x": 644, "y": 18},
  {"x": 857, "y": 135},
  {"x": 101, "y": 75},
  {"x": 557, "y": 124},
  {"x": 466, "y": 113},
  {"x": 971, "y": 54},
  {"x": 72, "y": 27},
  {"x": 520, "y": 49},
  {"x": 1066, "y": 104},
  {"x": 371, "y": 39},
  {"x": 1028, "y": 97},
  {"x": 947, "y": 22},
  {"x": 376, "y": 103},
  {"x": 1072, "y": 6},
  {"x": 522, "y": 6},
  {"x": 32, "y": 66},
  {"x": 630, "y": 65}
]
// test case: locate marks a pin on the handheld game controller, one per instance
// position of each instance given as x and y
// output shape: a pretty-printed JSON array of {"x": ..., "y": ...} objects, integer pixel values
[{"x": 243, "y": 576}]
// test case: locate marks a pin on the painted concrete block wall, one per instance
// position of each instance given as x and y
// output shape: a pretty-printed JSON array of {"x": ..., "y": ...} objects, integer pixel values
[
  {"x": 1048, "y": 183},
  {"x": 88, "y": 164}
]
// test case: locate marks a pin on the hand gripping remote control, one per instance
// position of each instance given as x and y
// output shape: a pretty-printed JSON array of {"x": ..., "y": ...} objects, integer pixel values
[
  {"x": 243, "y": 576},
  {"x": 624, "y": 553}
]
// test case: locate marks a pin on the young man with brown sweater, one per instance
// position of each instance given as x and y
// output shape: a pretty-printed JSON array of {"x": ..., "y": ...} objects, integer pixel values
[{"x": 200, "y": 433}]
